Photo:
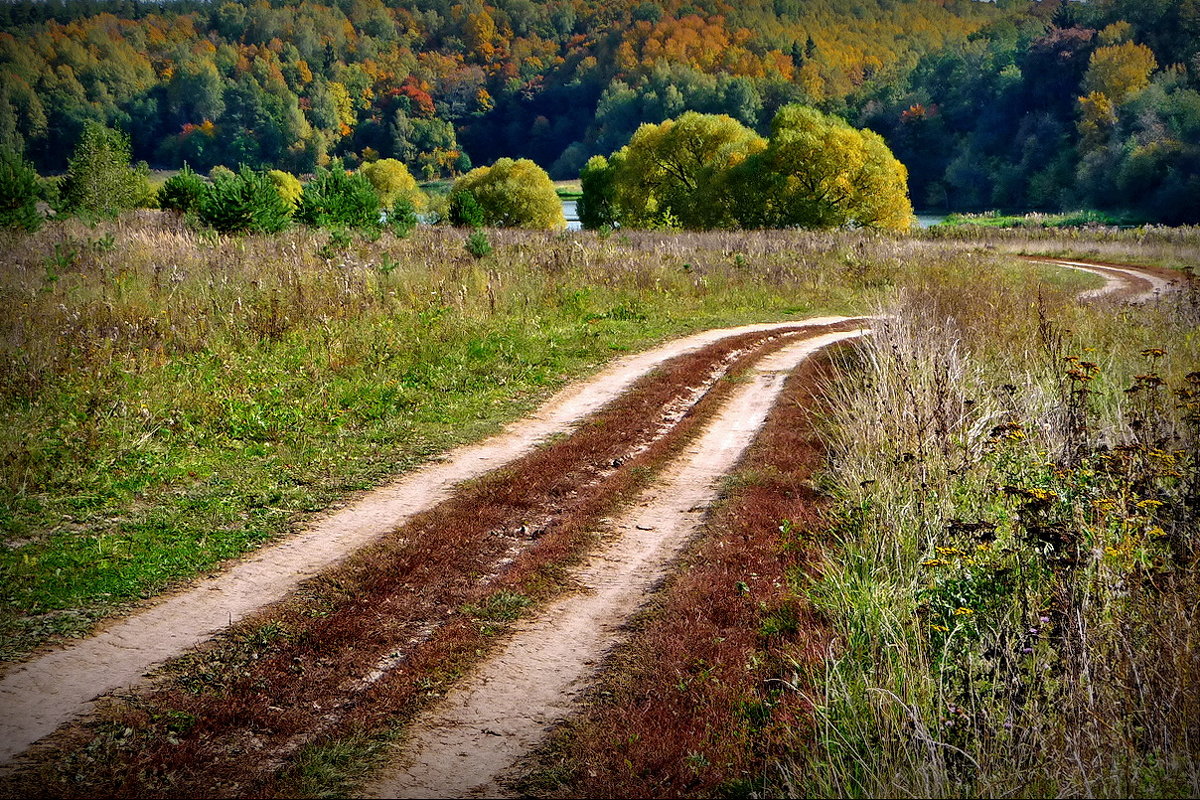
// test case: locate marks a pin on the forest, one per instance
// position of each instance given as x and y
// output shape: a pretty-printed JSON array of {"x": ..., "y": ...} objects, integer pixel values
[{"x": 1010, "y": 105}]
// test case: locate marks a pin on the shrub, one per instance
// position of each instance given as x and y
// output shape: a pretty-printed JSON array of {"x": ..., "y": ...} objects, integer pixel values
[
  {"x": 181, "y": 192},
  {"x": 100, "y": 179},
  {"x": 465, "y": 211},
  {"x": 477, "y": 244},
  {"x": 288, "y": 186},
  {"x": 393, "y": 183},
  {"x": 402, "y": 217},
  {"x": 219, "y": 171},
  {"x": 243, "y": 202},
  {"x": 337, "y": 199},
  {"x": 19, "y": 193},
  {"x": 514, "y": 194}
]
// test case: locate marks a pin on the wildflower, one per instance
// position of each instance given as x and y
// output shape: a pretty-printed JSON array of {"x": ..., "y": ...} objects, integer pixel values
[
  {"x": 933, "y": 562},
  {"x": 940, "y": 628},
  {"x": 1150, "y": 504},
  {"x": 963, "y": 612},
  {"x": 949, "y": 551},
  {"x": 1154, "y": 352}
]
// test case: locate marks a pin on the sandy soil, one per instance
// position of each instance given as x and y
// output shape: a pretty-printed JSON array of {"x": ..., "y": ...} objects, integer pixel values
[
  {"x": 462, "y": 747},
  {"x": 41, "y": 694},
  {"x": 1130, "y": 284}
]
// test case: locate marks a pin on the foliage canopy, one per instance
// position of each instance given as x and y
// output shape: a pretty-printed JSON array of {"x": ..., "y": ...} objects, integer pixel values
[
  {"x": 18, "y": 193},
  {"x": 705, "y": 171},
  {"x": 243, "y": 202},
  {"x": 514, "y": 194}
]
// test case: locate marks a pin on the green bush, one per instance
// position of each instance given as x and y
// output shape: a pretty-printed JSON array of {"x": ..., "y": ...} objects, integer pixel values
[
  {"x": 100, "y": 179},
  {"x": 181, "y": 192},
  {"x": 402, "y": 217},
  {"x": 337, "y": 199},
  {"x": 19, "y": 193},
  {"x": 477, "y": 244},
  {"x": 465, "y": 211},
  {"x": 243, "y": 202}
]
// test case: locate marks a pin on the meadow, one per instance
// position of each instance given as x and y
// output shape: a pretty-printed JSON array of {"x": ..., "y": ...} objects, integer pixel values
[{"x": 1003, "y": 562}]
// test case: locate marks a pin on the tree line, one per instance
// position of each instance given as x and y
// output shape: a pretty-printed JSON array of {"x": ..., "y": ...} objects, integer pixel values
[{"x": 1008, "y": 104}]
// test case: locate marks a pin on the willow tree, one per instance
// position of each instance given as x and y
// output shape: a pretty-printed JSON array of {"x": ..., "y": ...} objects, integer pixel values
[
  {"x": 819, "y": 172},
  {"x": 514, "y": 194},
  {"x": 673, "y": 173}
]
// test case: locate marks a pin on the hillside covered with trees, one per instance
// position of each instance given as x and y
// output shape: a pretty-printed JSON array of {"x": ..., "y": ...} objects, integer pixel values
[{"x": 1024, "y": 105}]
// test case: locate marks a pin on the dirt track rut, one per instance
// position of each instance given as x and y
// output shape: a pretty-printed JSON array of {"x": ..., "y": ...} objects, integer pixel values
[{"x": 504, "y": 711}]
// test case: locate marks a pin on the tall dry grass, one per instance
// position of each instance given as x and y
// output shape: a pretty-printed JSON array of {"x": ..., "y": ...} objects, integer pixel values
[{"x": 1016, "y": 545}]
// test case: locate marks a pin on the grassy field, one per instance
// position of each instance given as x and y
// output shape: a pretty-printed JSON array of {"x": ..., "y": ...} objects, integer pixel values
[
  {"x": 1006, "y": 570},
  {"x": 1012, "y": 561},
  {"x": 1073, "y": 219},
  {"x": 172, "y": 399}
]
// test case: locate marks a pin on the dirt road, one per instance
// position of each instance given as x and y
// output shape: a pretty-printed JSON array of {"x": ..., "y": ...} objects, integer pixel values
[
  {"x": 504, "y": 710},
  {"x": 43, "y": 693},
  {"x": 1136, "y": 285}
]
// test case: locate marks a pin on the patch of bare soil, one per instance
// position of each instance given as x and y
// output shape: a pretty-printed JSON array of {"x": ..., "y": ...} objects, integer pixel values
[
  {"x": 463, "y": 747},
  {"x": 40, "y": 695}
]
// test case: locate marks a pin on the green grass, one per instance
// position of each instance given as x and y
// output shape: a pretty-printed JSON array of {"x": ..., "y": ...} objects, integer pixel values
[
  {"x": 1014, "y": 557},
  {"x": 1071, "y": 219}
]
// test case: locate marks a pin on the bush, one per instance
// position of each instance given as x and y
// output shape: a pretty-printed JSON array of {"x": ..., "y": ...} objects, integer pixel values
[
  {"x": 181, "y": 192},
  {"x": 337, "y": 199},
  {"x": 288, "y": 186},
  {"x": 465, "y": 211},
  {"x": 393, "y": 183},
  {"x": 19, "y": 193},
  {"x": 243, "y": 202},
  {"x": 100, "y": 179},
  {"x": 477, "y": 244},
  {"x": 514, "y": 194},
  {"x": 402, "y": 217}
]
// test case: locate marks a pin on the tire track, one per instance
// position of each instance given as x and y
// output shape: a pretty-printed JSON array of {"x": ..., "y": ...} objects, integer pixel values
[
  {"x": 40, "y": 695},
  {"x": 1133, "y": 285},
  {"x": 462, "y": 747}
]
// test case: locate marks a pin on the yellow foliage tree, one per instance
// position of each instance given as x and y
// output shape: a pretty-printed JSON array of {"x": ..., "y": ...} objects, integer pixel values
[
  {"x": 674, "y": 171},
  {"x": 393, "y": 181},
  {"x": 819, "y": 172},
  {"x": 1119, "y": 71},
  {"x": 514, "y": 194},
  {"x": 288, "y": 186},
  {"x": 1097, "y": 116}
]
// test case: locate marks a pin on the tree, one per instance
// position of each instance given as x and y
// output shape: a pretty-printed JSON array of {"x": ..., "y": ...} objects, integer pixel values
[
  {"x": 819, "y": 172},
  {"x": 597, "y": 207},
  {"x": 288, "y": 186},
  {"x": 100, "y": 179},
  {"x": 243, "y": 202},
  {"x": 675, "y": 170},
  {"x": 514, "y": 194},
  {"x": 1119, "y": 71},
  {"x": 336, "y": 198},
  {"x": 393, "y": 181},
  {"x": 18, "y": 193},
  {"x": 182, "y": 191}
]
